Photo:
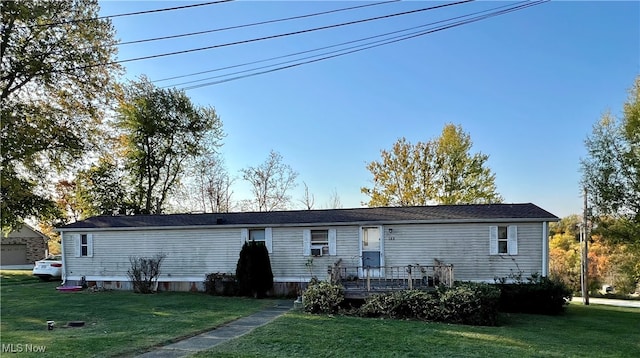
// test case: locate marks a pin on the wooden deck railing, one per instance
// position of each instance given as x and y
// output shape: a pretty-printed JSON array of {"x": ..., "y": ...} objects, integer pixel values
[{"x": 389, "y": 278}]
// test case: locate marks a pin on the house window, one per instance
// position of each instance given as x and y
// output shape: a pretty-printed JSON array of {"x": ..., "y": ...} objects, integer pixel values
[
  {"x": 319, "y": 242},
  {"x": 503, "y": 240},
  {"x": 84, "y": 245},
  {"x": 263, "y": 236},
  {"x": 257, "y": 236}
]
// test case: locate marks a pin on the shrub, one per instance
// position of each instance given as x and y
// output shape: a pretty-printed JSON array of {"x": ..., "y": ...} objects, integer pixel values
[
  {"x": 405, "y": 304},
  {"x": 144, "y": 272},
  {"x": 539, "y": 295},
  {"x": 470, "y": 303},
  {"x": 253, "y": 271},
  {"x": 221, "y": 284},
  {"x": 322, "y": 297}
]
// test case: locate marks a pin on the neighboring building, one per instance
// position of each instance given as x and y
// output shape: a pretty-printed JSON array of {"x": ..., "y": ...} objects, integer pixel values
[
  {"x": 23, "y": 247},
  {"x": 482, "y": 242}
]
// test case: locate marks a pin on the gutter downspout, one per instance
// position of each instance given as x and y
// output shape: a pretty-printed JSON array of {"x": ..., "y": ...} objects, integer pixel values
[
  {"x": 545, "y": 249},
  {"x": 64, "y": 261}
]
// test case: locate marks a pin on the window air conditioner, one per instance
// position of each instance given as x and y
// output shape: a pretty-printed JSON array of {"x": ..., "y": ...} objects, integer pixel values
[{"x": 316, "y": 250}]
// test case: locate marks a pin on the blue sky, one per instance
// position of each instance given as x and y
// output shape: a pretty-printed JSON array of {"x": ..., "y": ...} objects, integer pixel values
[{"x": 527, "y": 86}]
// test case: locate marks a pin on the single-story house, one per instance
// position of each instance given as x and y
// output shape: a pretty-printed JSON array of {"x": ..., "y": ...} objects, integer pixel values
[
  {"x": 481, "y": 242},
  {"x": 23, "y": 246}
]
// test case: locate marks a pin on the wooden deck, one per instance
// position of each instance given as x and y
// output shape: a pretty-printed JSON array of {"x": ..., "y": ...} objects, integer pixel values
[{"x": 359, "y": 282}]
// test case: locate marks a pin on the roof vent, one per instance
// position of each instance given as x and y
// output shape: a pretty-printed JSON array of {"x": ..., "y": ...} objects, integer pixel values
[{"x": 219, "y": 221}]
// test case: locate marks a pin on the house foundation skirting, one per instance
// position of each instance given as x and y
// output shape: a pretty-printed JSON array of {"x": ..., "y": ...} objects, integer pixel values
[{"x": 286, "y": 287}]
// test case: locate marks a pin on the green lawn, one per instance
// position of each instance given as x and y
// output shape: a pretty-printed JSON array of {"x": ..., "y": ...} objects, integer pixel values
[
  {"x": 9, "y": 277},
  {"x": 594, "y": 331},
  {"x": 122, "y": 324},
  {"x": 117, "y": 323}
]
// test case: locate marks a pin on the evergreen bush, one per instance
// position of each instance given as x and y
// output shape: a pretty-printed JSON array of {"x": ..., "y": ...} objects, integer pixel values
[
  {"x": 253, "y": 270},
  {"x": 539, "y": 295}
]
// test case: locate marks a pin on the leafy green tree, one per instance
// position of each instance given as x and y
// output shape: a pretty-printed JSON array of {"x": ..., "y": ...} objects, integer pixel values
[
  {"x": 67, "y": 199},
  {"x": 610, "y": 261},
  {"x": 611, "y": 170},
  {"x": 101, "y": 190},
  {"x": 398, "y": 178},
  {"x": 162, "y": 130},
  {"x": 441, "y": 171},
  {"x": 620, "y": 237},
  {"x": 52, "y": 95},
  {"x": 462, "y": 178}
]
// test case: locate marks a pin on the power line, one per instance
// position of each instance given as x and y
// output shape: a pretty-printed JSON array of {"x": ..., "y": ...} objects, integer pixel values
[
  {"x": 253, "y": 24},
  {"x": 459, "y": 23},
  {"x": 320, "y": 49},
  {"x": 72, "y": 21},
  {"x": 274, "y": 36}
]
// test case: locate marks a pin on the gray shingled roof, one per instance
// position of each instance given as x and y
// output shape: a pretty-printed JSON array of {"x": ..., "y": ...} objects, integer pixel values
[{"x": 439, "y": 213}]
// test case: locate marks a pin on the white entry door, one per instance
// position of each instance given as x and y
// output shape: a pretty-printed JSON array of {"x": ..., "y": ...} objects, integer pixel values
[{"x": 371, "y": 251}]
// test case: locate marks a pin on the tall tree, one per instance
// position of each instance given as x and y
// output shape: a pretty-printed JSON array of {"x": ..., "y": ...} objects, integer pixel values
[
  {"x": 396, "y": 177},
  {"x": 271, "y": 183},
  {"x": 463, "y": 177},
  {"x": 334, "y": 200},
  {"x": 212, "y": 184},
  {"x": 67, "y": 199},
  {"x": 611, "y": 170},
  {"x": 441, "y": 171},
  {"x": 101, "y": 190},
  {"x": 52, "y": 93},
  {"x": 308, "y": 199},
  {"x": 162, "y": 130}
]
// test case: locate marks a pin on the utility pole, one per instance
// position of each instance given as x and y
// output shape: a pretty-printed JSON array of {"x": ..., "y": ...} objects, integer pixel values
[{"x": 584, "y": 247}]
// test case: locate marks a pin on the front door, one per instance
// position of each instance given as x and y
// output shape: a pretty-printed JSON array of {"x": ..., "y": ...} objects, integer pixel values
[{"x": 371, "y": 251}]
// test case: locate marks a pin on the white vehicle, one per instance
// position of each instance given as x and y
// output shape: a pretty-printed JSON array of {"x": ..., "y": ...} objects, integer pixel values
[
  {"x": 49, "y": 268},
  {"x": 606, "y": 289}
]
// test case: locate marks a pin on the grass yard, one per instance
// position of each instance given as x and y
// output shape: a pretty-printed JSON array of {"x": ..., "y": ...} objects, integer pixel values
[
  {"x": 117, "y": 323},
  {"x": 124, "y": 323},
  {"x": 595, "y": 331},
  {"x": 11, "y": 277}
]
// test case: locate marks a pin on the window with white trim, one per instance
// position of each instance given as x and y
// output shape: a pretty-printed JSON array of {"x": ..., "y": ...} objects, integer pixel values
[
  {"x": 257, "y": 235},
  {"x": 83, "y": 245},
  {"x": 262, "y": 235},
  {"x": 319, "y": 242},
  {"x": 503, "y": 240}
]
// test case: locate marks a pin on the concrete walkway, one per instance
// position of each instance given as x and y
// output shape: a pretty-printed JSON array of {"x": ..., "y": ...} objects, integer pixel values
[
  {"x": 221, "y": 334},
  {"x": 17, "y": 267},
  {"x": 609, "y": 301}
]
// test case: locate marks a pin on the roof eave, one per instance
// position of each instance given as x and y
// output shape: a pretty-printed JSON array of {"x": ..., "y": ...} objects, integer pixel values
[{"x": 312, "y": 224}]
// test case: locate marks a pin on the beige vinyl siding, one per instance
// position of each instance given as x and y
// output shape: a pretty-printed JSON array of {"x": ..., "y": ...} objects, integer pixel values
[
  {"x": 288, "y": 261},
  {"x": 192, "y": 253},
  {"x": 189, "y": 253},
  {"x": 466, "y": 246}
]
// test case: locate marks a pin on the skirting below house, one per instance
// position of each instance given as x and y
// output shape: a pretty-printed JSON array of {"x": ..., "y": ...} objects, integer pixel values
[{"x": 280, "y": 288}]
